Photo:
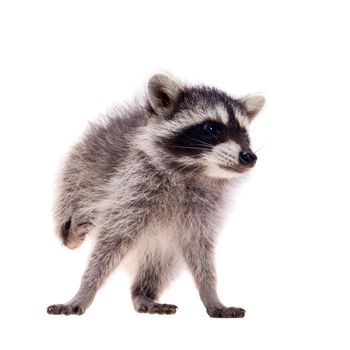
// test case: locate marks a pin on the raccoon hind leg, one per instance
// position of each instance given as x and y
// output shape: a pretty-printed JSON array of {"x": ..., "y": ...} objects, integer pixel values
[
  {"x": 73, "y": 231},
  {"x": 150, "y": 281}
]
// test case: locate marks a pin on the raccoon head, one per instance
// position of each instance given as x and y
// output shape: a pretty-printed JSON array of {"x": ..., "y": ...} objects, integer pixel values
[{"x": 199, "y": 130}]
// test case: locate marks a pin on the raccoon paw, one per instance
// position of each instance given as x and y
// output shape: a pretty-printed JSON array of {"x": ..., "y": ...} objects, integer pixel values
[
  {"x": 155, "y": 308},
  {"x": 66, "y": 309},
  {"x": 226, "y": 312}
]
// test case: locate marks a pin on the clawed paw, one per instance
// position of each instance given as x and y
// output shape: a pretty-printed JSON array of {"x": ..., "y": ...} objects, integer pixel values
[
  {"x": 226, "y": 312},
  {"x": 155, "y": 308},
  {"x": 66, "y": 309}
]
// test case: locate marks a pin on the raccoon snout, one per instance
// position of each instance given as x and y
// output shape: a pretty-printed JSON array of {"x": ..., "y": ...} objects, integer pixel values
[{"x": 247, "y": 158}]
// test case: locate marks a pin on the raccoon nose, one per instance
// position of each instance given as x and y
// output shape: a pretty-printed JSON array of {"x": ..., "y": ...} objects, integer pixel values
[{"x": 247, "y": 158}]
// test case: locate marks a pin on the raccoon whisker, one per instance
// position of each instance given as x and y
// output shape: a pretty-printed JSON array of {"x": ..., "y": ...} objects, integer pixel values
[
  {"x": 260, "y": 148},
  {"x": 186, "y": 147},
  {"x": 196, "y": 169},
  {"x": 200, "y": 141},
  {"x": 180, "y": 167},
  {"x": 193, "y": 171},
  {"x": 184, "y": 166}
]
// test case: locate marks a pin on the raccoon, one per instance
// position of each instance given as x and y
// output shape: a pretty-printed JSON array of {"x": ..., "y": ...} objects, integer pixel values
[{"x": 151, "y": 180}]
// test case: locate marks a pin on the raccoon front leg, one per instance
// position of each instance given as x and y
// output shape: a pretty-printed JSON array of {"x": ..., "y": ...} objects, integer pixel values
[
  {"x": 150, "y": 281},
  {"x": 199, "y": 256}
]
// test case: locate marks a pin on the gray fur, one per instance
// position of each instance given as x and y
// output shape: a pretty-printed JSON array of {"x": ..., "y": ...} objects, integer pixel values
[{"x": 147, "y": 206}]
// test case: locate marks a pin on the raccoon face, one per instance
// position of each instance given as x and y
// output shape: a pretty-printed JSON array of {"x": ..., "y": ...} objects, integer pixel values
[{"x": 201, "y": 130}]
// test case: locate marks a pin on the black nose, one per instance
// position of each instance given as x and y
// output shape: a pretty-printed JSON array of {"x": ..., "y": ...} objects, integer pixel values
[{"x": 247, "y": 158}]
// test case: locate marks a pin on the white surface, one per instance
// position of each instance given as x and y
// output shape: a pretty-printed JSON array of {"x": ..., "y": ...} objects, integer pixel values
[{"x": 284, "y": 254}]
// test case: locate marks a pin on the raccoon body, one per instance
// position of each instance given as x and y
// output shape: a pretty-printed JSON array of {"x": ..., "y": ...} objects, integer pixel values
[
  {"x": 89, "y": 168},
  {"x": 151, "y": 181}
]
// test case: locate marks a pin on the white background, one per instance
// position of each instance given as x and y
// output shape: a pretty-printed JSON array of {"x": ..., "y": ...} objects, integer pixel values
[{"x": 284, "y": 253}]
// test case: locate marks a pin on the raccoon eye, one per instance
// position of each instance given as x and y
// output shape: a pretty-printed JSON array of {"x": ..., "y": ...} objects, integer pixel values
[{"x": 211, "y": 128}]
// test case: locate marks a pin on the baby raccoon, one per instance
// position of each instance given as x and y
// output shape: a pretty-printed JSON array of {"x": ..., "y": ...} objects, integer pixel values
[{"x": 150, "y": 181}]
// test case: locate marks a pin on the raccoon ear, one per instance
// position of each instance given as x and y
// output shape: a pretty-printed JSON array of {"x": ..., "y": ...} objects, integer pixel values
[
  {"x": 162, "y": 92},
  {"x": 253, "y": 105}
]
